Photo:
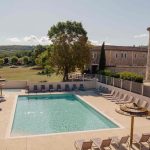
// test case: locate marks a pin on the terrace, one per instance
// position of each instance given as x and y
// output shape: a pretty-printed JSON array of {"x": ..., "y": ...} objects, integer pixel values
[{"x": 65, "y": 141}]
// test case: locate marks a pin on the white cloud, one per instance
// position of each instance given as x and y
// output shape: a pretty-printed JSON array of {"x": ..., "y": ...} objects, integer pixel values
[
  {"x": 94, "y": 42},
  {"x": 97, "y": 43},
  {"x": 44, "y": 40},
  {"x": 14, "y": 40},
  {"x": 35, "y": 40},
  {"x": 141, "y": 36},
  {"x": 31, "y": 39}
]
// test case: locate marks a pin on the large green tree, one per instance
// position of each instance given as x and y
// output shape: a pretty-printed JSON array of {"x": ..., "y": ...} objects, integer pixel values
[
  {"x": 102, "y": 58},
  {"x": 70, "y": 49},
  {"x": 38, "y": 50}
]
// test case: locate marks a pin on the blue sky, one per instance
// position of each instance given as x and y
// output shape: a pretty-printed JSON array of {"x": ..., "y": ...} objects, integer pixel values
[{"x": 117, "y": 22}]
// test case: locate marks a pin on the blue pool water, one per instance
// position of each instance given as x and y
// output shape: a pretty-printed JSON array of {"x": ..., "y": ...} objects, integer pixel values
[{"x": 55, "y": 113}]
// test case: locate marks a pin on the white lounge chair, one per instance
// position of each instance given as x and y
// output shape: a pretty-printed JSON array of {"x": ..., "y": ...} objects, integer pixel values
[
  {"x": 110, "y": 94},
  {"x": 101, "y": 144},
  {"x": 130, "y": 100},
  {"x": 83, "y": 145},
  {"x": 144, "y": 104},
  {"x": 122, "y": 99},
  {"x": 140, "y": 140},
  {"x": 118, "y": 97},
  {"x": 120, "y": 141},
  {"x": 114, "y": 96}
]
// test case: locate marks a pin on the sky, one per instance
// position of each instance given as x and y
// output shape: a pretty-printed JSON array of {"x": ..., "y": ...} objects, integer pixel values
[{"x": 117, "y": 22}]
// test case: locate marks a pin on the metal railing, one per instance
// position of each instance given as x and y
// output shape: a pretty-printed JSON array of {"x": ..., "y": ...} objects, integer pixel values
[{"x": 131, "y": 86}]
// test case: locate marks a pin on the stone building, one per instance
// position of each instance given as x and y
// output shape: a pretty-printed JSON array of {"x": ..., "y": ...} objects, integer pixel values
[{"x": 121, "y": 58}]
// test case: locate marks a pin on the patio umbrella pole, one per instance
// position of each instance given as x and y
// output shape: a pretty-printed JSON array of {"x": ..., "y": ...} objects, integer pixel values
[
  {"x": 131, "y": 133},
  {"x": 1, "y": 91}
]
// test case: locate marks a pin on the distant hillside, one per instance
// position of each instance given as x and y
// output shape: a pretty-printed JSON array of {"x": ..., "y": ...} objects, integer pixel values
[
  {"x": 16, "y": 47},
  {"x": 10, "y": 50}
]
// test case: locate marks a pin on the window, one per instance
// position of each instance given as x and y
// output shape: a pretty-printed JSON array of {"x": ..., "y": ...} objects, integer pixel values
[
  {"x": 94, "y": 55},
  {"x": 125, "y": 55},
  {"x": 116, "y": 55},
  {"x": 135, "y": 55}
]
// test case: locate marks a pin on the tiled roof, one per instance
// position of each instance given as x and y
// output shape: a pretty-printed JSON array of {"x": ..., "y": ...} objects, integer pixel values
[{"x": 126, "y": 48}]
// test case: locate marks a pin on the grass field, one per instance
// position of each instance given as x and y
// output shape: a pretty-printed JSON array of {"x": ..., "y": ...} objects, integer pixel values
[{"x": 26, "y": 73}]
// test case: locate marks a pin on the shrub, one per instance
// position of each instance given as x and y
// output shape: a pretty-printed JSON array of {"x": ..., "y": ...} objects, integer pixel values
[
  {"x": 6, "y": 60},
  {"x": 106, "y": 72},
  {"x": 123, "y": 75},
  {"x": 131, "y": 76},
  {"x": 25, "y": 60},
  {"x": 14, "y": 60}
]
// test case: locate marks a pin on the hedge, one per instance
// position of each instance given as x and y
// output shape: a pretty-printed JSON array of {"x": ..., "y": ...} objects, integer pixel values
[{"x": 123, "y": 75}]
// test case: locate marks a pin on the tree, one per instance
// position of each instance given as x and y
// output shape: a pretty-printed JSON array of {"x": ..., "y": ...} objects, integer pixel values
[
  {"x": 1, "y": 62},
  {"x": 38, "y": 50},
  {"x": 14, "y": 60},
  {"x": 70, "y": 49},
  {"x": 6, "y": 60},
  {"x": 25, "y": 60},
  {"x": 42, "y": 59},
  {"x": 102, "y": 58}
]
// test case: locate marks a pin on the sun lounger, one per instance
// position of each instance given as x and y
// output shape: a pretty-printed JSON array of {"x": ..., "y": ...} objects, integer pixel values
[
  {"x": 127, "y": 101},
  {"x": 136, "y": 101},
  {"x": 101, "y": 90},
  {"x": 59, "y": 88},
  {"x": 114, "y": 96},
  {"x": 27, "y": 89},
  {"x": 144, "y": 104},
  {"x": 2, "y": 99},
  {"x": 83, "y": 145},
  {"x": 118, "y": 97},
  {"x": 110, "y": 94},
  {"x": 67, "y": 87},
  {"x": 122, "y": 99},
  {"x": 140, "y": 140},
  {"x": 120, "y": 141},
  {"x": 51, "y": 89},
  {"x": 101, "y": 144},
  {"x": 43, "y": 89},
  {"x": 35, "y": 89},
  {"x": 81, "y": 87},
  {"x": 74, "y": 87},
  {"x": 98, "y": 90}
]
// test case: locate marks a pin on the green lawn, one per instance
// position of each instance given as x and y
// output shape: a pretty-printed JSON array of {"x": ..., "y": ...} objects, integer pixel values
[{"x": 26, "y": 73}]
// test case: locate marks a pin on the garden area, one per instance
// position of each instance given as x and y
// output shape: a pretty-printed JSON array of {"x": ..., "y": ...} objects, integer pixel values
[{"x": 27, "y": 73}]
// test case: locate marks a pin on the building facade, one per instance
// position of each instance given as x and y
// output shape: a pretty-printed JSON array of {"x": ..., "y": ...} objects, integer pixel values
[{"x": 121, "y": 58}]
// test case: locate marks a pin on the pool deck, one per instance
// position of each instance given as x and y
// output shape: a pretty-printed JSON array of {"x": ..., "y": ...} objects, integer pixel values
[{"x": 65, "y": 141}]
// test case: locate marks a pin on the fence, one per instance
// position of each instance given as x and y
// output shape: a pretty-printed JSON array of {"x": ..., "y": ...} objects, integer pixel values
[{"x": 131, "y": 86}]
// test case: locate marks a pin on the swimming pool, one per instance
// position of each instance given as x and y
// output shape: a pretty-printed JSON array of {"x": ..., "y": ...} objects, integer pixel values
[{"x": 56, "y": 113}]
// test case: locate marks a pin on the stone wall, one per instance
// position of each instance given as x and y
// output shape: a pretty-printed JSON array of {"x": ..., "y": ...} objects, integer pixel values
[
  {"x": 132, "y": 59},
  {"x": 15, "y": 84}
]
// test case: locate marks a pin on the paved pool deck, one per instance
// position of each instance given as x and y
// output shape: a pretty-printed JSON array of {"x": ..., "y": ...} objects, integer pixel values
[{"x": 65, "y": 141}]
